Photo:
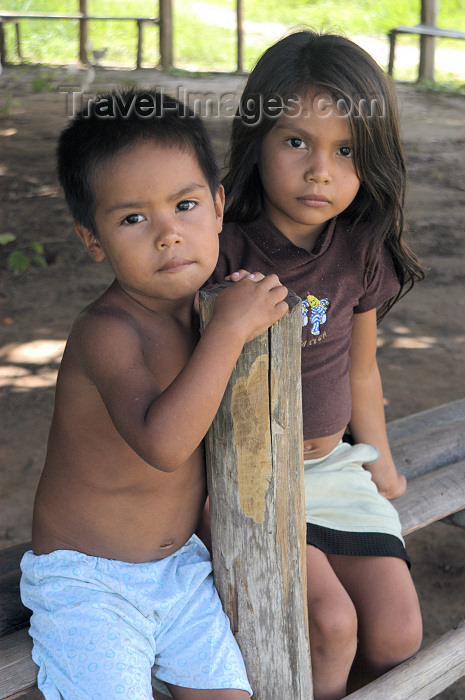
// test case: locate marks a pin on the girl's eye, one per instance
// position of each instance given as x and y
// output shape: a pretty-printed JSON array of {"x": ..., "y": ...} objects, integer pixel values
[
  {"x": 346, "y": 151},
  {"x": 185, "y": 205},
  {"x": 132, "y": 219},
  {"x": 295, "y": 142}
]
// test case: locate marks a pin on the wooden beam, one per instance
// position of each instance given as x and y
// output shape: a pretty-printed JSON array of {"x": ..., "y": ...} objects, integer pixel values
[
  {"x": 429, "y": 449},
  {"x": 439, "y": 415},
  {"x": 428, "y": 440},
  {"x": 431, "y": 497},
  {"x": 257, "y": 510},
  {"x": 423, "y": 676},
  {"x": 13, "y": 614},
  {"x": 19, "y": 672}
]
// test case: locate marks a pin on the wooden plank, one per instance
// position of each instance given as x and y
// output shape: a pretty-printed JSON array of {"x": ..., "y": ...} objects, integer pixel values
[
  {"x": 439, "y": 415},
  {"x": 431, "y": 497},
  {"x": 424, "y": 675},
  {"x": 255, "y": 475},
  {"x": 427, "y": 30},
  {"x": 429, "y": 439},
  {"x": 10, "y": 15},
  {"x": 428, "y": 449},
  {"x": 18, "y": 671},
  {"x": 11, "y": 557},
  {"x": 13, "y": 614}
]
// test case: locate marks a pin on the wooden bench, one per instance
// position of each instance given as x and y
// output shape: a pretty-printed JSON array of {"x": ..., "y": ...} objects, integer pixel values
[
  {"x": 164, "y": 22},
  {"x": 429, "y": 448},
  {"x": 420, "y": 30}
]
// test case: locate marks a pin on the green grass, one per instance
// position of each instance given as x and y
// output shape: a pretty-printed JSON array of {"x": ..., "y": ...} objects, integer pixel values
[{"x": 205, "y": 38}]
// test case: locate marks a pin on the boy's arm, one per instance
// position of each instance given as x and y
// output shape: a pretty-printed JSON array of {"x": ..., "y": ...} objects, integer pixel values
[
  {"x": 164, "y": 424},
  {"x": 367, "y": 422}
]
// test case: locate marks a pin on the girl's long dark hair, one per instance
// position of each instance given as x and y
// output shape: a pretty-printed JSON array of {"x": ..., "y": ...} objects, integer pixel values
[{"x": 306, "y": 63}]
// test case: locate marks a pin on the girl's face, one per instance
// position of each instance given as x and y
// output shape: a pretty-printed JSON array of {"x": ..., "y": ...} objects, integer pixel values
[{"x": 307, "y": 169}]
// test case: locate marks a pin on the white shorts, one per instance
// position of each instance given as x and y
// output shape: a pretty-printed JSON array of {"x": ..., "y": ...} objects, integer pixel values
[{"x": 100, "y": 625}]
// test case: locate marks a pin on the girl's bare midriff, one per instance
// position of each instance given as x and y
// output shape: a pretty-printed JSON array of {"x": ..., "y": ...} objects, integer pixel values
[{"x": 320, "y": 447}]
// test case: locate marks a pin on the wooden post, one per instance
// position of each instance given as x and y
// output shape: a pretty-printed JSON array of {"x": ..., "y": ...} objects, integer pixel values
[
  {"x": 257, "y": 509},
  {"x": 140, "y": 25},
  {"x": 166, "y": 33},
  {"x": 3, "y": 60},
  {"x": 240, "y": 36},
  {"x": 83, "y": 32},
  {"x": 427, "y": 43}
]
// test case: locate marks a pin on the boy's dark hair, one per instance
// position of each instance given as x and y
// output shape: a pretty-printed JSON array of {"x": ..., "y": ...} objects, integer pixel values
[
  {"x": 115, "y": 121},
  {"x": 307, "y": 63}
]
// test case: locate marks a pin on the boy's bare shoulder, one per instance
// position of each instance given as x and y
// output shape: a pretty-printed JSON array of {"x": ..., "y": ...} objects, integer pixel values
[{"x": 104, "y": 328}]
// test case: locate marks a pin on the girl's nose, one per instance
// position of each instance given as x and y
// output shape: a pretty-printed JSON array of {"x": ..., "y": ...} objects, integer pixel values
[{"x": 317, "y": 169}]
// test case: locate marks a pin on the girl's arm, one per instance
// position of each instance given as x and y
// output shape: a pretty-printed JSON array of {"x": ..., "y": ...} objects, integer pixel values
[{"x": 367, "y": 422}]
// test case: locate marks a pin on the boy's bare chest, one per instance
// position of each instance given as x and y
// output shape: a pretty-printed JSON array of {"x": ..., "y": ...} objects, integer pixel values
[{"x": 166, "y": 351}]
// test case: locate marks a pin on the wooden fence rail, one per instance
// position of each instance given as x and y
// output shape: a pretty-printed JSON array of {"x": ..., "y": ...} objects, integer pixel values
[{"x": 164, "y": 20}]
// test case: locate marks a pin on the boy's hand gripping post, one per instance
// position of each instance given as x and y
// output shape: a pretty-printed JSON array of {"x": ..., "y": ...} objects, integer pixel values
[{"x": 257, "y": 510}]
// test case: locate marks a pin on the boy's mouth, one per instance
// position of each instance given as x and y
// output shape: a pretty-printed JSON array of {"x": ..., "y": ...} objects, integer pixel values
[{"x": 175, "y": 265}]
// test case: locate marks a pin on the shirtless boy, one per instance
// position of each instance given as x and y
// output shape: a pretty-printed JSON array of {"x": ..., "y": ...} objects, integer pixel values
[{"x": 117, "y": 580}]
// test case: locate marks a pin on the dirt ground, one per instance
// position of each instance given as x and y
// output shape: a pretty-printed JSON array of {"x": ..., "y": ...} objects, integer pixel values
[{"x": 422, "y": 350}]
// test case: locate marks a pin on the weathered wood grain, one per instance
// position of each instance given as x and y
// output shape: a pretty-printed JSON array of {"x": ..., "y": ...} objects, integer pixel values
[
  {"x": 430, "y": 448},
  {"x": 18, "y": 671},
  {"x": 431, "y": 497},
  {"x": 431, "y": 418},
  {"x": 255, "y": 475},
  {"x": 13, "y": 614}
]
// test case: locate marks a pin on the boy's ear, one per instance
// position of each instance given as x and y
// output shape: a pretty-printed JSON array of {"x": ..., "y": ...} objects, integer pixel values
[
  {"x": 90, "y": 241},
  {"x": 219, "y": 207}
]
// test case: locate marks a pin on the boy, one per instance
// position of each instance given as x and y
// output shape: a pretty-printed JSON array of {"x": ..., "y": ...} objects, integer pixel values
[{"x": 117, "y": 580}]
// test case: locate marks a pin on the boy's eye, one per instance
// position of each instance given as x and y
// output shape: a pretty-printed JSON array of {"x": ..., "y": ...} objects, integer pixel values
[
  {"x": 185, "y": 205},
  {"x": 346, "y": 151},
  {"x": 131, "y": 219},
  {"x": 295, "y": 142}
]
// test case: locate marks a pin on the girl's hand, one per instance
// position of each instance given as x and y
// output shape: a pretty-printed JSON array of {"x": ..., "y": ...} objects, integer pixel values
[
  {"x": 397, "y": 488},
  {"x": 242, "y": 274},
  {"x": 390, "y": 484}
]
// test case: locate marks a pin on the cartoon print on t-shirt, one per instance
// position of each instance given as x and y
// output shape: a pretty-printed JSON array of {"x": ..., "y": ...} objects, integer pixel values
[{"x": 318, "y": 309}]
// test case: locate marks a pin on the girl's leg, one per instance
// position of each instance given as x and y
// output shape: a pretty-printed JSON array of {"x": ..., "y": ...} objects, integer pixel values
[
  {"x": 332, "y": 625},
  {"x": 388, "y": 612}
]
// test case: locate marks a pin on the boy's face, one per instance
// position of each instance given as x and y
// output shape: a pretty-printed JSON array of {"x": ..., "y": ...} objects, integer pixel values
[{"x": 157, "y": 222}]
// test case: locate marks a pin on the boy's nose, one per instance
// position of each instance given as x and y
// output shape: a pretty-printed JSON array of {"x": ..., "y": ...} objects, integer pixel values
[{"x": 167, "y": 239}]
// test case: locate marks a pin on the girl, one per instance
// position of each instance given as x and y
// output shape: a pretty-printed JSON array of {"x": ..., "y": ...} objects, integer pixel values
[{"x": 315, "y": 193}]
